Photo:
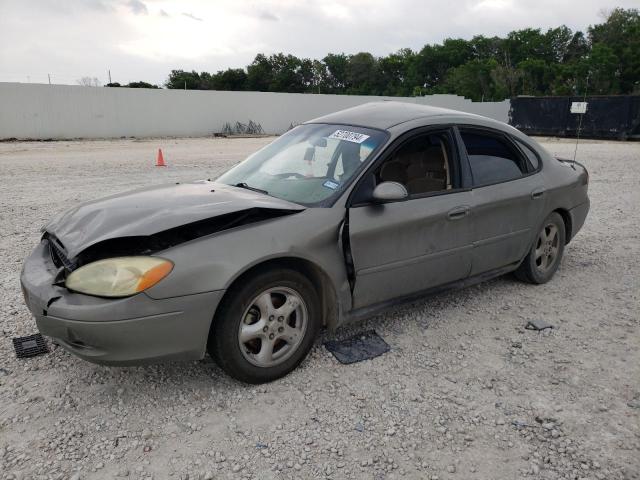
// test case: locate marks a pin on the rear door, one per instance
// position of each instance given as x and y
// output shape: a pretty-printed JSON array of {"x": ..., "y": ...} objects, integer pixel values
[
  {"x": 405, "y": 247},
  {"x": 508, "y": 198}
]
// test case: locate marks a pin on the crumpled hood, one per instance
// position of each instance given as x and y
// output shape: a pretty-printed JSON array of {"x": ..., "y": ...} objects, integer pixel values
[{"x": 151, "y": 210}]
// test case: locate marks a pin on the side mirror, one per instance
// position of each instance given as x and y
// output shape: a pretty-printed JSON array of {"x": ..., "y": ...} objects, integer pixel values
[{"x": 389, "y": 192}]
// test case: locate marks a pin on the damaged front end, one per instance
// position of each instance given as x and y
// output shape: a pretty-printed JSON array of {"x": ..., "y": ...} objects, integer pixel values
[
  {"x": 151, "y": 244},
  {"x": 133, "y": 328},
  {"x": 113, "y": 331}
]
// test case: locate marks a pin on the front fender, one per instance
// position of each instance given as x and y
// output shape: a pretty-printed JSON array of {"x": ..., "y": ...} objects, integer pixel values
[{"x": 215, "y": 262}]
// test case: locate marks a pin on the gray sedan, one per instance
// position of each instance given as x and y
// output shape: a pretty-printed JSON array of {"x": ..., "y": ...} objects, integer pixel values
[{"x": 339, "y": 218}]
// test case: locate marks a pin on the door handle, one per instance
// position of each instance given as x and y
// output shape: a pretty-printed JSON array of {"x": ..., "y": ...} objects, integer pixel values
[
  {"x": 537, "y": 193},
  {"x": 458, "y": 212}
]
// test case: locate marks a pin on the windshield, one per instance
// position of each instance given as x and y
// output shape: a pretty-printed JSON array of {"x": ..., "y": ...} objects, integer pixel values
[{"x": 309, "y": 164}]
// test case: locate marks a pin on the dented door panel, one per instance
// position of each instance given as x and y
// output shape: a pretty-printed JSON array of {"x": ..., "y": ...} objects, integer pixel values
[{"x": 405, "y": 247}]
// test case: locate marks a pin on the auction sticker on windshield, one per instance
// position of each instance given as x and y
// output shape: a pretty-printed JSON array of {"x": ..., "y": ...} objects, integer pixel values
[{"x": 354, "y": 137}]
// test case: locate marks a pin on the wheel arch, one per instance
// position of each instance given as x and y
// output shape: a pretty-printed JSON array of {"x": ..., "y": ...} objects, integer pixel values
[
  {"x": 568, "y": 223},
  {"x": 326, "y": 289}
]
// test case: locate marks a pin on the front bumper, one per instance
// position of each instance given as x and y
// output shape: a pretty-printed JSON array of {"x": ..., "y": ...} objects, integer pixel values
[{"x": 123, "y": 331}]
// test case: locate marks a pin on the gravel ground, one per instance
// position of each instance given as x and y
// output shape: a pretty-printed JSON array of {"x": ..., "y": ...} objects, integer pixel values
[{"x": 465, "y": 393}]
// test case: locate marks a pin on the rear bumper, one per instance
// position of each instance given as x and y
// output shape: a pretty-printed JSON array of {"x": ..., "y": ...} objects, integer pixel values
[
  {"x": 125, "y": 331},
  {"x": 578, "y": 216}
]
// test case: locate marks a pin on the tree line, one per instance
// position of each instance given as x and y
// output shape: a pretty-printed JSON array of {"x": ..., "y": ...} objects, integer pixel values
[
  {"x": 131, "y": 85},
  {"x": 604, "y": 60}
]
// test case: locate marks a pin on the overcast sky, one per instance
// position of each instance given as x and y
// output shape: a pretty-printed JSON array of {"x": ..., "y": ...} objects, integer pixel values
[{"x": 145, "y": 39}]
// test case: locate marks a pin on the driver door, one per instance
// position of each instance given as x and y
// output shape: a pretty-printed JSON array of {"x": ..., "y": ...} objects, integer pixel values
[{"x": 406, "y": 247}]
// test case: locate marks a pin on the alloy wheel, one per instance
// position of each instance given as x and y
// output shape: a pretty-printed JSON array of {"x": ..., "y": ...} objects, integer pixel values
[
  {"x": 547, "y": 247},
  {"x": 273, "y": 326}
]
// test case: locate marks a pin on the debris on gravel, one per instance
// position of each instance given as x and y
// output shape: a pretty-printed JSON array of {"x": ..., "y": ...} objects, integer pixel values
[
  {"x": 465, "y": 391},
  {"x": 537, "y": 324}
]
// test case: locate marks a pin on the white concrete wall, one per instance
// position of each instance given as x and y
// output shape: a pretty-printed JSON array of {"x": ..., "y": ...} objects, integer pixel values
[{"x": 36, "y": 111}]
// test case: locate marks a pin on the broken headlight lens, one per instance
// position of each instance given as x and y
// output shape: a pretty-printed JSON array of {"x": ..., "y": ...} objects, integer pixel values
[{"x": 118, "y": 277}]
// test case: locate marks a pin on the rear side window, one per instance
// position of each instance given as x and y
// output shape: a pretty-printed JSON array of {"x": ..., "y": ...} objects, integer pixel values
[
  {"x": 492, "y": 158},
  {"x": 531, "y": 155}
]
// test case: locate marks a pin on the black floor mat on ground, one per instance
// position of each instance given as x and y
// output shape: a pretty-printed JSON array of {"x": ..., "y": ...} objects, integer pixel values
[
  {"x": 358, "y": 348},
  {"x": 30, "y": 346}
]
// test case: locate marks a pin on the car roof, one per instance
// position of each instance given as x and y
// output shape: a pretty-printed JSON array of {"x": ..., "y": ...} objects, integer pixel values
[{"x": 386, "y": 114}]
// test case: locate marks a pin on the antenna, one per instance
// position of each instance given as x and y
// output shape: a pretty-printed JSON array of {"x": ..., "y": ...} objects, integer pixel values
[{"x": 584, "y": 99}]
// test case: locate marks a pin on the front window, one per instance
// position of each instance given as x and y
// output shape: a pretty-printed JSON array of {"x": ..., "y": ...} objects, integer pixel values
[
  {"x": 423, "y": 165},
  {"x": 310, "y": 164}
]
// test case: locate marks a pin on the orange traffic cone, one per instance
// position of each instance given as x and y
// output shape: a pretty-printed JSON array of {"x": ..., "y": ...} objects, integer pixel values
[{"x": 160, "y": 159}]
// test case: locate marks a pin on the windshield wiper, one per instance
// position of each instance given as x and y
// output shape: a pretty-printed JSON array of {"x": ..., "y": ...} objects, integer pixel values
[{"x": 246, "y": 186}]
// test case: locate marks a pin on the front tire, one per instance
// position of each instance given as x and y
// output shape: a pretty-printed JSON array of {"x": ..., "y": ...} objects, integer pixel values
[
  {"x": 545, "y": 255},
  {"x": 265, "y": 326}
]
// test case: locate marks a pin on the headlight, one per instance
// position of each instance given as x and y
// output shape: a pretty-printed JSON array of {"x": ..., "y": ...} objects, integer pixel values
[{"x": 118, "y": 277}]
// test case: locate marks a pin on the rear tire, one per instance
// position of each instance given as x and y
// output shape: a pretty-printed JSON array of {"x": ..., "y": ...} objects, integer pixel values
[
  {"x": 545, "y": 254},
  {"x": 265, "y": 326}
]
